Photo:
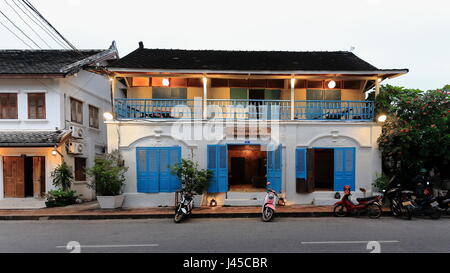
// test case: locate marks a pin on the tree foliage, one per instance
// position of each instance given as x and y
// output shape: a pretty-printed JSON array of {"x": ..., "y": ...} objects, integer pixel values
[{"x": 417, "y": 133}]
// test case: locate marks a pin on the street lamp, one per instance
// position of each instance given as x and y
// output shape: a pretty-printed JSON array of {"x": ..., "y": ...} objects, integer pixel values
[
  {"x": 108, "y": 116},
  {"x": 382, "y": 118}
]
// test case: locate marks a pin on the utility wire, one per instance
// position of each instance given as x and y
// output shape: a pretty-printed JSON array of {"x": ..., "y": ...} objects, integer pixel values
[
  {"x": 12, "y": 32},
  {"x": 19, "y": 29},
  {"x": 39, "y": 23},
  {"x": 32, "y": 29},
  {"x": 48, "y": 23}
]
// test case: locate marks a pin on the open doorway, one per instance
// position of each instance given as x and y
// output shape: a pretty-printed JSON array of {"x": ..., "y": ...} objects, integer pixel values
[
  {"x": 247, "y": 168},
  {"x": 323, "y": 169}
]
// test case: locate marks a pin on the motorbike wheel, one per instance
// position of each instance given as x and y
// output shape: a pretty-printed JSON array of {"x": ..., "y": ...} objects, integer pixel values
[
  {"x": 395, "y": 208},
  {"x": 340, "y": 211},
  {"x": 178, "y": 217},
  {"x": 267, "y": 215},
  {"x": 408, "y": 213},
  {"x": 374, "y": 211},
  {"x": 436, "y": 214}
]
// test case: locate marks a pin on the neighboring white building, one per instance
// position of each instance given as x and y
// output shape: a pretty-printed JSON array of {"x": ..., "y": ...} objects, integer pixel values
[
  {"x": 51, "y": 107},
  {"x": 297, "y": 119}
]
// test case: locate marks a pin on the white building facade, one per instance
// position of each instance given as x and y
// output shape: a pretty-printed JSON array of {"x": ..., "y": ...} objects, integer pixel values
[
  {"x": 299, "y": 120},
  {"x": 51, "y": 109}
]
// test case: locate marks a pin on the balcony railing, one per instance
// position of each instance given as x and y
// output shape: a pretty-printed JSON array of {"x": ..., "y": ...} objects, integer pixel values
[{"x": 244, "y": 109}]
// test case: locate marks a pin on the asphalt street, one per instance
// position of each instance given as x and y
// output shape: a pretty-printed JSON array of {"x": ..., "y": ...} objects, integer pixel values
[{"x": 291, "y": 235}]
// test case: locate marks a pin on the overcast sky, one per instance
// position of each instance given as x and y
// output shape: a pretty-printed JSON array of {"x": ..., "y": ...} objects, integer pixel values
[{"x": 386, "y": 33}]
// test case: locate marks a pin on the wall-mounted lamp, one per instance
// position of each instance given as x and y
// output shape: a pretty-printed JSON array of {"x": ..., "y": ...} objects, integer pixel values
[
  {"x": 382, "y": 118},
  {"x": 213, "y": 203},
  {"x": 332, "y": 84},
  {"x": 166, "y": 82},
  {"x": 108, "y": 116},
  {"x": 55, "y": 152}
]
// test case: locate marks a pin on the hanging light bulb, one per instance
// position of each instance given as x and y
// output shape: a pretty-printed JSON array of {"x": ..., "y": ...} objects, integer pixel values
[
  {"x": 332, "y": 84},
  {"x": 166, "y": 82}
]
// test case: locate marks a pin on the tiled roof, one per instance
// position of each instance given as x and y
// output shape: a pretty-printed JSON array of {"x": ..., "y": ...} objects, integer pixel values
[
  {"x": 220, "y": 60},
  {"x": 31, "y": 138},
  {"x": 41, "y": 61}
]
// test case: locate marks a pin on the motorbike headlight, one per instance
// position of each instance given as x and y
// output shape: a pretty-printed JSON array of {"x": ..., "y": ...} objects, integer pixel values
[{"x": 271, "y": 197}]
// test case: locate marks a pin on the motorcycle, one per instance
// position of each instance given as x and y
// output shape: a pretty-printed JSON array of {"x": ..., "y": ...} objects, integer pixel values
[
  {"x": 345, "y": 207},
  {"x": 426, "y": 204},
  {"x": 393, "y": 194},
  {"x": 184, "y": 208},
  {"x": 269, "y": 207},
  {"x": 444, "y": 202}
]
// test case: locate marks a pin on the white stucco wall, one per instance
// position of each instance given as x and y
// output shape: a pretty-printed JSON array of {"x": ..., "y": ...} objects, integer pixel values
[
  {"x": 360, "y": 135},
  {"x": 90, "y": 88}
]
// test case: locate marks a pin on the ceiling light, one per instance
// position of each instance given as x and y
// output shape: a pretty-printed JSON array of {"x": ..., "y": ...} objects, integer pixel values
[
  {"x": 332, "y": 84},
  {"x": 166, "y": 82}
]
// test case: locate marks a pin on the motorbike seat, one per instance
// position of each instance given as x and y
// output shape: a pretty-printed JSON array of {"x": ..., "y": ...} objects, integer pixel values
[
  {"x": 406, "y": 192},
  {"x": 366, "y": 199}
]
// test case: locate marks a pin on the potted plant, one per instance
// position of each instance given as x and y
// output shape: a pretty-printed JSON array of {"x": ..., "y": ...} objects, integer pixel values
[
  {"x": 193, "y": 179},
  {"x": 108, "y": 174},
  {"x": 62, "y": 180}
]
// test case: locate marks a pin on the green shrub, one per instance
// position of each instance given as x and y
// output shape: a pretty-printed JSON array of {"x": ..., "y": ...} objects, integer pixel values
[
  {"x": 108, "y": 175},
  {"x": 381, "y": 182},
  {"x": 194, "y": 179},
  {"x": 60, "y": 198},
  {"x": 62, "y": 177}
]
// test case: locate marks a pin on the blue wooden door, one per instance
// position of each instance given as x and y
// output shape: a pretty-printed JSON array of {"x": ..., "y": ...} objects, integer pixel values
[
  {"x": 344, "y": 168},
  {"x": 274, "y": 168},
  {"x": 147, "y": 170},
  {"x": 153, "y": 169},
  {"x": 217, "y": 156}
]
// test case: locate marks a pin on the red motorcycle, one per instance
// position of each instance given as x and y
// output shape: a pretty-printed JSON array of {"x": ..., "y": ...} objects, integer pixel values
[{"x": 346, "y": 207}]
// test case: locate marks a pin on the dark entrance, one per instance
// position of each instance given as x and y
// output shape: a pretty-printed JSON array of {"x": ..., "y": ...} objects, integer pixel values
[
  {"x": 324, "y": 169},
  {"x": 247, "y": 168}
]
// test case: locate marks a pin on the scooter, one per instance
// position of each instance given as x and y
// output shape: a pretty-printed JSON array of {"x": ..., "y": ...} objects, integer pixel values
[
  {"x": 269, "y": 207},
  {"x": 184, "y": 208},
  {"x": 393, "y": 194},
  {"x": 426, "y": 204},
  {"x": 444, "y": 202},
  {"x": 346, "y": 207}
]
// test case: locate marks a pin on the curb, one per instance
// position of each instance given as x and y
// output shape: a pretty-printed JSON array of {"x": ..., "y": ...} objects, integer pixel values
[{"x": 165, "y": 216}]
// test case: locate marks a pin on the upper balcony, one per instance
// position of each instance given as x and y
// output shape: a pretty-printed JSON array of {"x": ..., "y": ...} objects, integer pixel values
[{"x": 159, "y": 98}]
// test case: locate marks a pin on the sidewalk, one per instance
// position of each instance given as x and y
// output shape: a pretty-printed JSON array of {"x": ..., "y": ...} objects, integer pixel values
[{"x": 91, "y": 211}]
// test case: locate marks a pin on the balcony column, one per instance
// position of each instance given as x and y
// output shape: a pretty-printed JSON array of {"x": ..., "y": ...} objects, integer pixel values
[
  {"x": 205, "y": 97},
  {"x": 292, "y": 98},
  {"x": 377, "y": 87},
  {"x": 113, "y": 83}
]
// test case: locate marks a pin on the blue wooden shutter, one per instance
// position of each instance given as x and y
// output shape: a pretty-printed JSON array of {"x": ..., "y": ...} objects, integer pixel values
[
  {"x": 274, "y": 168},
  {"x": 218, "y": 164},
  {"x": 344, "y": 168},
  {"x": 164, "y": 171},
  {"x": 222, "y": 170},
  {"x": 147, "y": 170},
  {"x": 175, "y": 158},
  {"x": 300, "y": 169}
]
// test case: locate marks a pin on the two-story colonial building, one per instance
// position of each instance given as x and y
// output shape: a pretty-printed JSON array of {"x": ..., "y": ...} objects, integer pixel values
[
  {"x": 297, "y": 119},
  {"x": 51, "y": 108}
]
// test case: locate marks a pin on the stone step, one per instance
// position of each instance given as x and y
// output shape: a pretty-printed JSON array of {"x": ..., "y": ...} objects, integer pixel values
[
  {"x": 324, "y": 201},
  {"x": 246, "y": 195},
  {"x": 242, "y": 202}
]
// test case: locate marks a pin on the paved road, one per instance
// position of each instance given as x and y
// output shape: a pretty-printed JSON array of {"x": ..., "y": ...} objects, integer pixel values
[{"x": 295, "y": 235}]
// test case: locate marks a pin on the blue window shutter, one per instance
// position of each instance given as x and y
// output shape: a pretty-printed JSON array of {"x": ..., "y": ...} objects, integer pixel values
[
  {"x": 152, "y": 157},
  {"x": 344, "y": 168},
  {"x": 164, "y": 170},
  {"x": 175, "y": 158},
  {"x": 300, "y": 169},
  {"x": 212, "y": 166},
  {"x": 275, "y": 167},
  {"x": 222, "y": 168}
]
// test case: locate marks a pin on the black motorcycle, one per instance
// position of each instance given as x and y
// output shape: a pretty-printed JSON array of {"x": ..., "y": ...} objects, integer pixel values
[
  {"x": 393, "y": 194},
  {"x": 425, "y": 203},
  {"x": 444, "y": 203},
  {"x": 184, "y": 207}
]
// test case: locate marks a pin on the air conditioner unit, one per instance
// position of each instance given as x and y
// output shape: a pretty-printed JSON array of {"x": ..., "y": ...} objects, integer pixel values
[
  {"x": 76, "y": 148},
  {"x": 77, "y": 132}
]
